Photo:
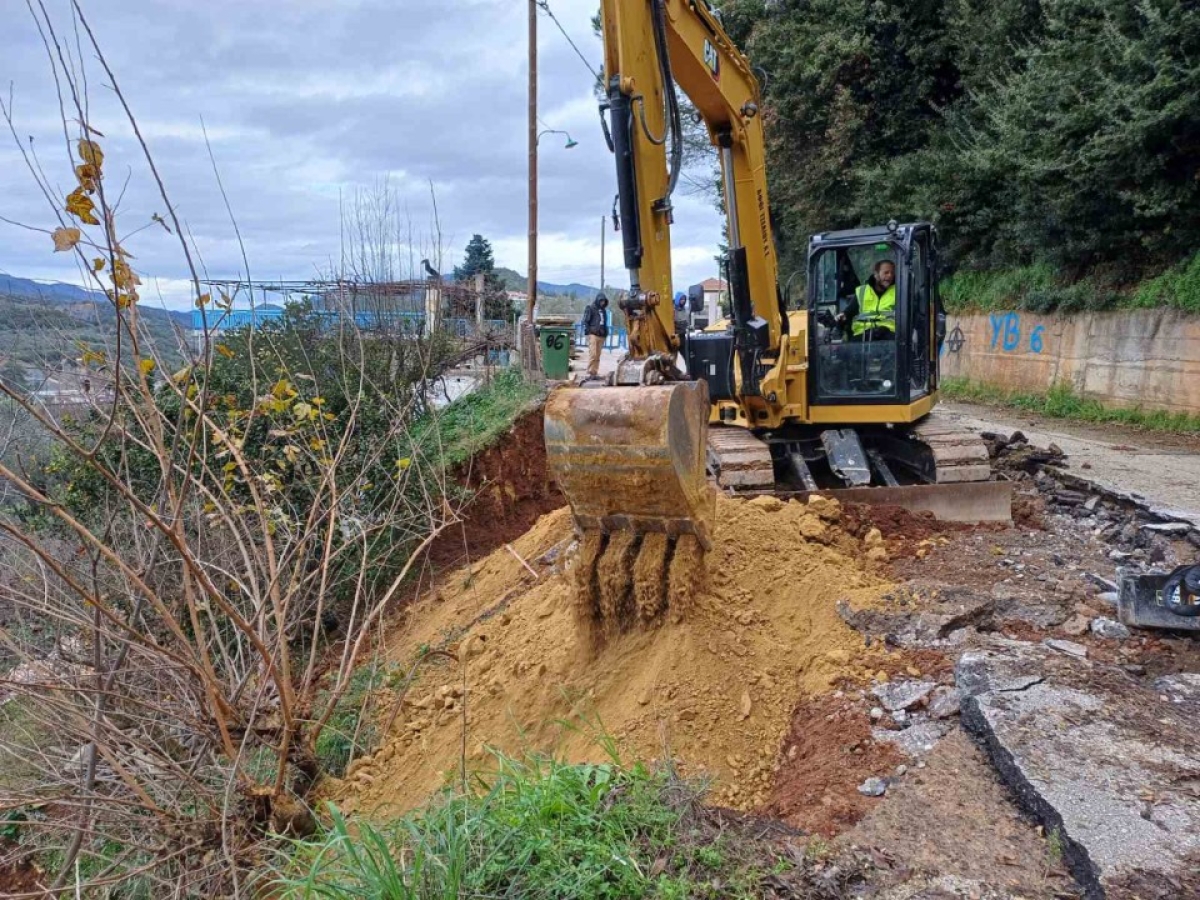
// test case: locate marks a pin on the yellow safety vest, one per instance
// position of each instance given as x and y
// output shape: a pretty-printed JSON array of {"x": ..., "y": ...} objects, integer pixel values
[{"x": 871, "y": 304}]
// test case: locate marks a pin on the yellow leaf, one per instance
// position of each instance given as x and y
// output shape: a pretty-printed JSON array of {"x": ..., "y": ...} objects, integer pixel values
[
  {"x": 302, "y": 410},
  {"x": 97, "y": 264},
  {"x": 123, "y": 299},
  {"x": 203, "y": 300},
  {"x": 123, "y": 276},
  {"x": 90, "y": 153},
  {"x": 404, "y": 462},
  {"x": 283, "y": 389},
  {"x": 65, "y": 238},
  {"x": 93, "y": 356},
  {"x": 87, "y": 175},
  {"x": 80, "y": 205},
  {"x": 224, "y": 351},
  {"x": 146, "y": 366}
]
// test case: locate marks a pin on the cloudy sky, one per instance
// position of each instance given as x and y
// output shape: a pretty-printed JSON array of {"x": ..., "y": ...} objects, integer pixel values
[{"x": 305, "y": 103}]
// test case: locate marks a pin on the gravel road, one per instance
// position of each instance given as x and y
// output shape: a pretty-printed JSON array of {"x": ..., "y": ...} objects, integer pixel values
[{"x": 1163, "y": 468}]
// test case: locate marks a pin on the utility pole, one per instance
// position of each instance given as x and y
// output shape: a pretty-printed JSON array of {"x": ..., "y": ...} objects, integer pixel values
[{"x": 531, "y": 298}]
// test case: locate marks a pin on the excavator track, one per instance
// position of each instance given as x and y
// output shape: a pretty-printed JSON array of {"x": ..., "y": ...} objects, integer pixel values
[
  {"x": 738, "y": 459},
  {"x": 958, "y": 455}
]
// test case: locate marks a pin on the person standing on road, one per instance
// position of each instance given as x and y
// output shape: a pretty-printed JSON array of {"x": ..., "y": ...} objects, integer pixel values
[{"x": 595, "y": 326}]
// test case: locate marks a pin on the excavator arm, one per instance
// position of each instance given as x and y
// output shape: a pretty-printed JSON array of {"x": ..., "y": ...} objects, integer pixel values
[
  {"x": 631, "y": 458},
  {"x": 650, "y": 46}
]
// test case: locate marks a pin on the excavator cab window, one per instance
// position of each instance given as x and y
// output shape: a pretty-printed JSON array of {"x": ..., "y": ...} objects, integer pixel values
[
  {"x": 921, "y": 324},
  {"x": 856, "y": 351}
]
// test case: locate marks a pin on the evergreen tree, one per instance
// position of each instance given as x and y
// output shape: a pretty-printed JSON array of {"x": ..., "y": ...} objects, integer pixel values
[
  {"x": 1033, "y": 131},
  {"x": 478, "y": 259}
]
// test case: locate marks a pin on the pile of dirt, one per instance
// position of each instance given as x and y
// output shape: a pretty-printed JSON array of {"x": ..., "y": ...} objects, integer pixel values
[
  {"x": 907, "y": 534},
  {"x": 827, "y": 754},
  {"x": 714, "y": 688}
]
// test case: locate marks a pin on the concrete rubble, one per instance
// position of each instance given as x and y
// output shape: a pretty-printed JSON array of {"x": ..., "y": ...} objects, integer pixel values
[{"x": 1110, "y": 766}]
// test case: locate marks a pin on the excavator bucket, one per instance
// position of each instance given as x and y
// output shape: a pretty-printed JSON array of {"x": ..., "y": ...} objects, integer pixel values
[{"x": 632, "y": 459}]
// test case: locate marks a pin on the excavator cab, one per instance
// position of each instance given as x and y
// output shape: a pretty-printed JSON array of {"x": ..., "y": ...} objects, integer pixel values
[{"x": 871, "y": 345}]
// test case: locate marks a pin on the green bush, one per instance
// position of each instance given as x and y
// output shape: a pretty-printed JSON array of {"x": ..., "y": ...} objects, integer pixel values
[
  {"x": 1042, "y": 289},
  {"x": 1178, "y": 288}
]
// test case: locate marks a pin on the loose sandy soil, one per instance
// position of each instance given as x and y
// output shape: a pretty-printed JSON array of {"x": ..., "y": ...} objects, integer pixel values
[
  {"x": 758, "y": 683},
  {"x": 715, "y": 688}
]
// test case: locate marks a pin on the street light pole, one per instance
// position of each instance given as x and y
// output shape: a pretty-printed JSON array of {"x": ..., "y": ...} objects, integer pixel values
[
  {"x": 603, "y": 228},
  {"x": 531, "y": 292}
]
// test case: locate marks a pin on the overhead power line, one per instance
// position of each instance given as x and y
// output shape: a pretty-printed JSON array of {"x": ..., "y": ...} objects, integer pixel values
[{"x": 545, "y": 7}]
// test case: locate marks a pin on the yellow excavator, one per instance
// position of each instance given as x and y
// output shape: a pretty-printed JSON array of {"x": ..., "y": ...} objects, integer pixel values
[{"x": 834, "y": 395}]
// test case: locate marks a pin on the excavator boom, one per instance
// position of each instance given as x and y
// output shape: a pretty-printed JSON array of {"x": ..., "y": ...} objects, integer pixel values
[{"x": 631, "y": 458}]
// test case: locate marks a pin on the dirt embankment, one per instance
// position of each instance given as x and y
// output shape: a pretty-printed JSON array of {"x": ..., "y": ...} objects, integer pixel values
[
  {"x": 511, "y": 489},
  {"x": 715, "y": 690}
]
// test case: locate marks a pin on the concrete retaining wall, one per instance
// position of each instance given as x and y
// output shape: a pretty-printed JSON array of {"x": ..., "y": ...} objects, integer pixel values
[{"x": 1147, "y": 358}]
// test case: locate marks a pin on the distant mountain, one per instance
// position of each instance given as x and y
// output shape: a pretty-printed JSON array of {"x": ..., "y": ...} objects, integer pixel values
[
  {"x": 12, "y": 286},
  {"x": 54, "y": 292},
  {"x": 515, "y": 281}
]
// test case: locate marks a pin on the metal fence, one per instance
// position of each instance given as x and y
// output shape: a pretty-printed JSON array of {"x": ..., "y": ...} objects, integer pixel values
[
  {"x": 618, "y": 338},
  {"x": 215, "y": 322}
]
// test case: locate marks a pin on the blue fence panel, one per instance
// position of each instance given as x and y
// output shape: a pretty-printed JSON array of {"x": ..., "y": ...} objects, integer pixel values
[
  {"x": 215, "y": 320},
  {"x": 618, "y": 338}
]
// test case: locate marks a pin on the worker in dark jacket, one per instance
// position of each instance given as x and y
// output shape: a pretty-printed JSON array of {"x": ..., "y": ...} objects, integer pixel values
[{"x": 595, "y": 326}]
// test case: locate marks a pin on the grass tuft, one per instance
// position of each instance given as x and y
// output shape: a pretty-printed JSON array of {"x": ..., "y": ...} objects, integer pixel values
[
  {"x": 536, "y": 828},
  {"x": 1061, "y": 402},
  {"x": 475, "y": 422}
]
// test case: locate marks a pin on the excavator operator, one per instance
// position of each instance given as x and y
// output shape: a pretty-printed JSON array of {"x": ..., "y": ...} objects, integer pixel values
[{"x": 872, "y": 312}]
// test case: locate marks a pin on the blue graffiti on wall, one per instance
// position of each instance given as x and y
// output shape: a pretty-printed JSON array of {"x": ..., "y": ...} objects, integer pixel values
[{"x": 1007, "y": 333}]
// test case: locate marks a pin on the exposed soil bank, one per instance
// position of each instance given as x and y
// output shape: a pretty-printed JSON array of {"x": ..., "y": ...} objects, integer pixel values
[{"x": 512, "y": 489}]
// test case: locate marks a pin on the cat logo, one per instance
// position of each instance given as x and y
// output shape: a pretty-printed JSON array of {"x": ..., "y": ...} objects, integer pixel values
[{"x": 712, "y": 60}]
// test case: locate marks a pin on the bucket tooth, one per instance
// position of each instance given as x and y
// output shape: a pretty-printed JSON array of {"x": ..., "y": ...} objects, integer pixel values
[
  {"x": 687, "y": 577},
  {"x": 616, "y": 589},
  {"x": 650, "y": 576},
  {"x": 587, "y": 587}
]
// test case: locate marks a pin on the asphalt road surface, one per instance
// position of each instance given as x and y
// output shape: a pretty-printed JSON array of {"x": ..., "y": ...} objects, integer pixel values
[{"x": 1163, "y": 468}]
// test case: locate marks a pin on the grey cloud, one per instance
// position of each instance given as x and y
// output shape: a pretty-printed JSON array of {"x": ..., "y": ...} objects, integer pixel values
[{"x": 304, "y": 100}]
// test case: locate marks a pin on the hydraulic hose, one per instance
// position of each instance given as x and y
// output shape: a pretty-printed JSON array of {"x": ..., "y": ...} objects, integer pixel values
[
  {"x": 1182, "y": 586},
  {"x": 674, "y": 122}
]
